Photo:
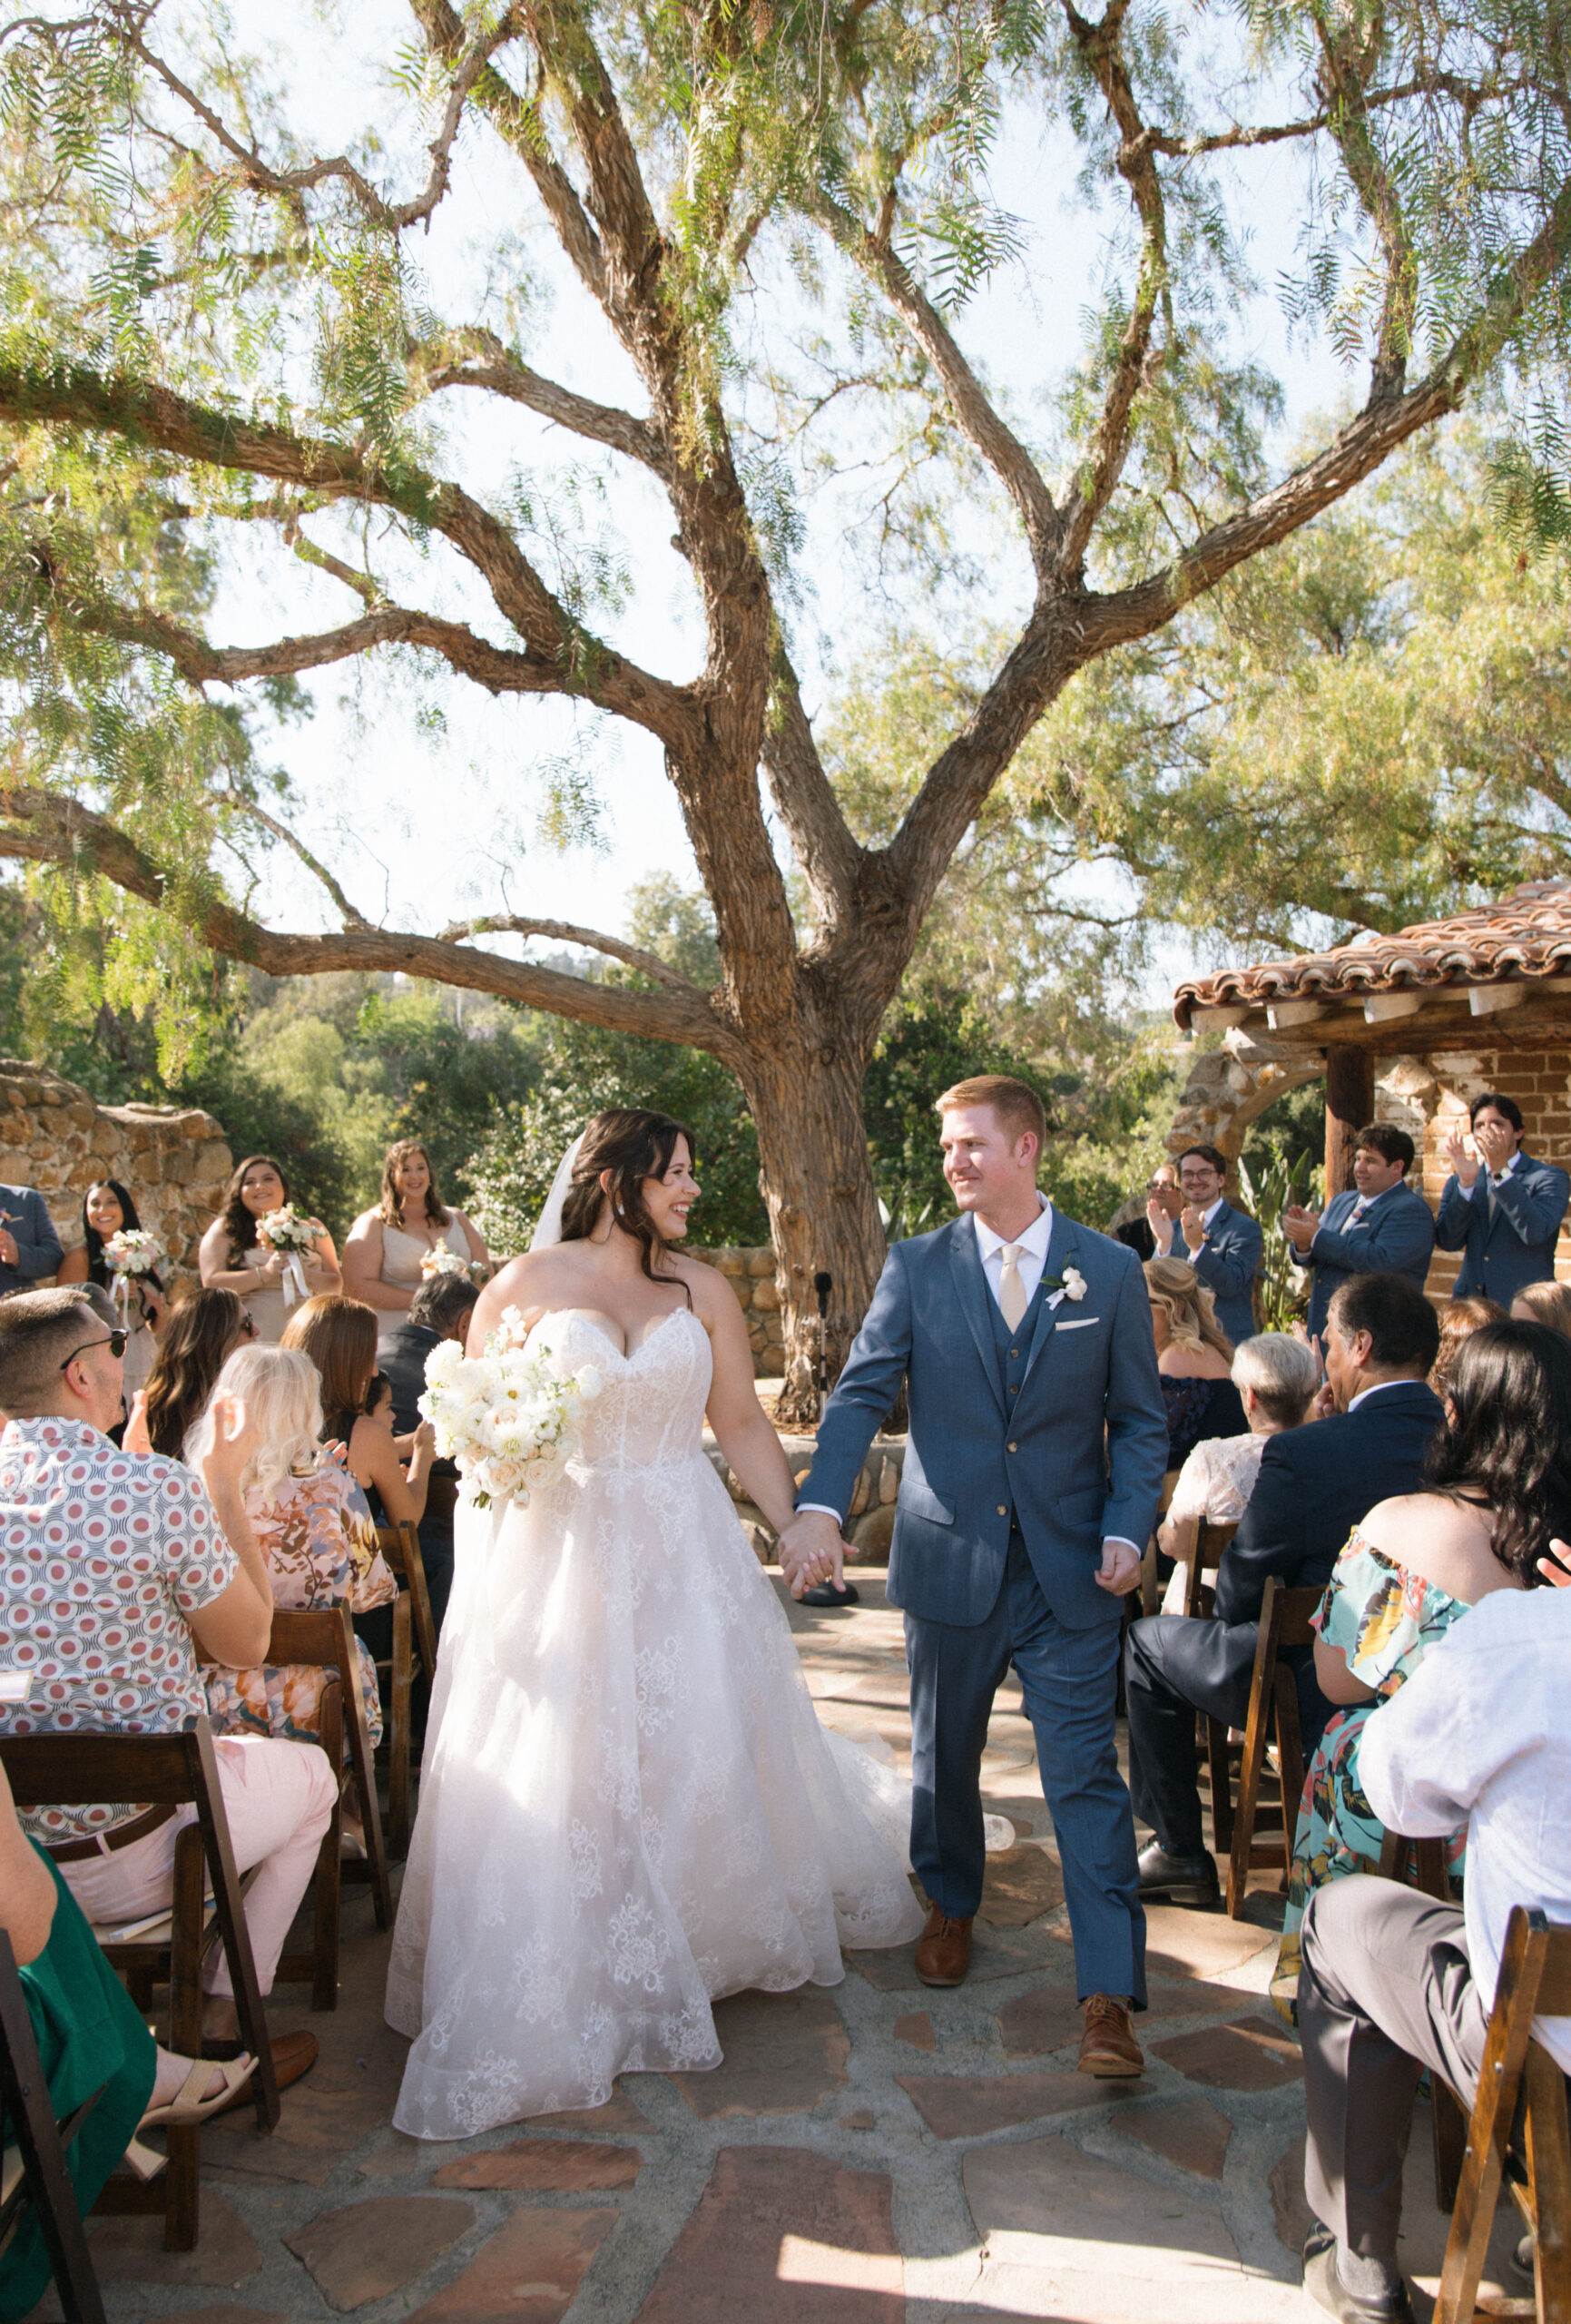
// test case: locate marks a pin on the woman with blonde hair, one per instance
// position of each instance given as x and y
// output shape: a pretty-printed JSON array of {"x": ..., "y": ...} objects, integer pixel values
[
  {"x": 1544, "y": 1303},
  {"x": 315, "y": 1534},
  {"x": 391, "y": 1248},
  {"x": 1195, "y": 1359},
  {"x": 339, "y": 1337}
]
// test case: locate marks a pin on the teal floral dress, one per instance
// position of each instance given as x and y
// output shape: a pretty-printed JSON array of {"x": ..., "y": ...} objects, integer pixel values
[{"x": 1385, "y": 1619}]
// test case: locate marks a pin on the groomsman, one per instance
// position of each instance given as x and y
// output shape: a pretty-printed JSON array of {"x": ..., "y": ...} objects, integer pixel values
[
  {"x": 1222, "y": 1246},
  {"x": 1500, "y": 1208},
  {"x": 29, "y": 1247},
  {"x": 1379, "y": 1226}
]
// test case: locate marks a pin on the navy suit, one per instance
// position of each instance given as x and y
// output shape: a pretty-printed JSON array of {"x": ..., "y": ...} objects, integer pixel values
[
  {"x": 38, "y": 1251},
  {"x": 1227, "y": 1264},
  {"x": 1315, "y": 1485},
  {"x": 1027, "y": 1449},
  {"x": 1396, "y": 1236},
  {"x": 1517, "y": 1245}
]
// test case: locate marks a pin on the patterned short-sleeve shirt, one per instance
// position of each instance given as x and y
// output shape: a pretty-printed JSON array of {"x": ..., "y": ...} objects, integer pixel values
[{"x": 104, "y": 1558}]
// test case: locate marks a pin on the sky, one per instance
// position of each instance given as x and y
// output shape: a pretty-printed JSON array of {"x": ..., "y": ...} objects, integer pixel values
[{"x": 429, "y": 808}]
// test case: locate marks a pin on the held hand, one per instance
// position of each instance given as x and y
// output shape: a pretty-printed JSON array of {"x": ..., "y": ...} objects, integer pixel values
[
  {"x": 1556, "y": 1567},
  {"x": 423, "y": 1439},
  {"x": 1463, "y": 1157},
  {"x": 1119, "y": 1571},
  {"x": 811, "y": 1551},
  {"x": 271, "y": 1262},
  {"x": 7, "y": 1246}
]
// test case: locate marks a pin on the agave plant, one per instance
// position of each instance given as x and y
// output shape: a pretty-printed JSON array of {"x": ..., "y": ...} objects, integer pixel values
[{"x": 1282, "y": 1289}]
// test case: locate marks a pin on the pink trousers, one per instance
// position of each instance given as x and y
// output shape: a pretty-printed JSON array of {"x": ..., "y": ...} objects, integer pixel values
[{"x": 279, "y": 1799}]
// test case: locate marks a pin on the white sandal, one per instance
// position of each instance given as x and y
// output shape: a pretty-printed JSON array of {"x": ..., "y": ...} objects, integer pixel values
[{"x": 190, "y": 2106}]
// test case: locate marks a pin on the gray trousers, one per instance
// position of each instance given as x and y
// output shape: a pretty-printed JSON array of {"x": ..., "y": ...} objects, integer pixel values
[{"x": 1385, "y": 1988}]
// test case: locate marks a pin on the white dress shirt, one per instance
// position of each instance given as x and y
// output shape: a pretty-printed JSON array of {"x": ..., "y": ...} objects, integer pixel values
[
  {"x": 1031, "y": 1248},
  {"x": 1478, "y": 1736}
]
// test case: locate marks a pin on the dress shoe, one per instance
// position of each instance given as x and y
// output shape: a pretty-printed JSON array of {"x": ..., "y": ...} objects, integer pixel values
[
  {"x": 1187, "y": 1879},
  {"x": 944, "y": 1949},
  {"x": 1326, "y": 2288},
  {"x": 824, "y": 1593},
  {"x": 1108, "y": 2048}
]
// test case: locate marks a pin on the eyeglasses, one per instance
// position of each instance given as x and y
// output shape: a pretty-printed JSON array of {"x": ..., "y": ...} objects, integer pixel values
[{"x": 115, "y": 1342}]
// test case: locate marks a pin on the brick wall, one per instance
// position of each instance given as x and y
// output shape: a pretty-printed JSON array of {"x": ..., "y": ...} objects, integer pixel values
[{"x": 1430, "y": 1095}]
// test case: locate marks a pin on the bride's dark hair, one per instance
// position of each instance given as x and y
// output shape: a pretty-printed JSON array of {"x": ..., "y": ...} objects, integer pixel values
[{"x": 632, "y": 1144}]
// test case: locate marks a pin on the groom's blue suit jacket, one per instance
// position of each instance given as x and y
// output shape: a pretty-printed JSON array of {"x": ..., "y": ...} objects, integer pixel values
[{"x": 1081, "y": 1457}]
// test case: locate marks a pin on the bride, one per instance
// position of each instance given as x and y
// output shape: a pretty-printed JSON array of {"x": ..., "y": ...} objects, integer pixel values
[{"x": 628, "y": 1807}]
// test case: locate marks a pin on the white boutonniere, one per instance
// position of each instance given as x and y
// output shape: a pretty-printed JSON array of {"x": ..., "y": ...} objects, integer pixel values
[{"x": 1070, "y": 1285}]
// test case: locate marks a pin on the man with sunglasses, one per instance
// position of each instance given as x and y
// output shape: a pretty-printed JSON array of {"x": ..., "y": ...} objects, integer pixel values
[{"x": 117, "y": 1573}]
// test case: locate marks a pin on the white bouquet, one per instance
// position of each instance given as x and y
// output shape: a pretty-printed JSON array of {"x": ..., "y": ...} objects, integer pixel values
[
  {"x": 291, "y": 1235},
  {"x": 132, "y": 1252},
  {"x": 446, "y": 1262},
  {"x": 509, "y": 1420}
]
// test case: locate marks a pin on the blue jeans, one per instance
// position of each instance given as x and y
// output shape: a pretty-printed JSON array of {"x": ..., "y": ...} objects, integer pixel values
[{"x": 1070, "y": 1679}]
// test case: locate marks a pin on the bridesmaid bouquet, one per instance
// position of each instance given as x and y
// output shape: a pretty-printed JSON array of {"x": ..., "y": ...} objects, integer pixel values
[
  {"x": 132, "y": 1252},
  {"x": 436, "y": 1262},
  {"x": 506, "y": 1417},
  {"x": 291, "y": 1235}
]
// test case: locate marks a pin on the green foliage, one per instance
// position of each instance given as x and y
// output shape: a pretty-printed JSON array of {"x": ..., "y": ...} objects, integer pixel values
[{"x": 1268, "y": 1190}]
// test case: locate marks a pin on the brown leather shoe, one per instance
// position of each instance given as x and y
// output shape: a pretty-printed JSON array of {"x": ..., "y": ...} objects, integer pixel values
[
  {"x": 944, "y": 1949},
  {"x": 1108, "y": 2046}
]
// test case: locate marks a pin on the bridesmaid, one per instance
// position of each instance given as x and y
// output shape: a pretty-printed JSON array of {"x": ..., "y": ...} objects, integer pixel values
[
  {"x": 232, "y": 1258},
  {"x": 385, "y": 1246},
  {"x": 107, "y": 1207}
]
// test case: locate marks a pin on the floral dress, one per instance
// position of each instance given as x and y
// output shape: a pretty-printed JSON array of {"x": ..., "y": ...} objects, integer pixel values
[
  {"x": 1385, "y": 1619},
  {"x": 320, "y": 1546}
]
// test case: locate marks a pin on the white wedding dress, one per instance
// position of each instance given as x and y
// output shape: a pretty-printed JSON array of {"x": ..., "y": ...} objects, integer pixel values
[{"x": 628, "y": 1806}]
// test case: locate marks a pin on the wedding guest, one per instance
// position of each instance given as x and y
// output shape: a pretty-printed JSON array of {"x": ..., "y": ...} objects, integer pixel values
[
  {"x": 1315, "y": 1485},
  {"x": 1130, "y": 1224},
  {"x": 441, "y": 1310},
  {"x": 1195, "y": 1359},
  {"x": 1501, "y": 1208},
  {"x": 107, "y": 1209},
  {"x": 163, "y": 1567},
  {"x": 1393, "y": 1980},
  {"x": 29, "y": 1247},
  {"x": 204, "y": 1328},
  {"x": 232, "y": 1258},
  {"x": 1224, "y": 1245},
  {"x": 315, "y": 1534},
  {"x": 385, "y": 1247},
  {"x": 1496, "y": 1493},
  {"x": 1378, "y": 1226},
  {"x": 1277, "y": 1376},
  {"x": 1460, "y": 1319},
  {"x": 340, "y": 1336},
  {"x": 1544, "y": 1303}
]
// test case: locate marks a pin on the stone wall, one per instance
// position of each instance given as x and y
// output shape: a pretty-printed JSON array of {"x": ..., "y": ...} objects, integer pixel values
[
  {"x": 872, "y": 1523},
  {"x": 53, "y": 1136},
  {"x": 750, "y": 1275}
]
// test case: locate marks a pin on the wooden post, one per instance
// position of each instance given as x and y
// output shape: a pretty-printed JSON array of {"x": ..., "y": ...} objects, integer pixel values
[{"x": 1349, "y": 1105}]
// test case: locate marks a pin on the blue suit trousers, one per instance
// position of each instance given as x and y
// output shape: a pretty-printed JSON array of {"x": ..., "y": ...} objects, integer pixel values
[{"x": 1069, "y": 1677}]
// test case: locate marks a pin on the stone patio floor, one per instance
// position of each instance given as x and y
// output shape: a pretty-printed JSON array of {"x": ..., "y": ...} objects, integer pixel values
[{"x": 876, "y": 2154}]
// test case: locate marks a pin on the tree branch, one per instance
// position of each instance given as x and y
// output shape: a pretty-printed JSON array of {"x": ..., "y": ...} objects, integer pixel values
[
  {"x": 43, "y": 827},
  {"x": 804, "y": 798},
  {"x": 478, "y": 359},
  {"x": 987, "y": 433},
  {"x": 566, "y": 931},
  {"x": 258, "y": 813}
]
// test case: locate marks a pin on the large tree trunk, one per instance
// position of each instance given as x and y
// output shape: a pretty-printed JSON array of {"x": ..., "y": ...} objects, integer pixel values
[{"x": 818, "y": 1181}]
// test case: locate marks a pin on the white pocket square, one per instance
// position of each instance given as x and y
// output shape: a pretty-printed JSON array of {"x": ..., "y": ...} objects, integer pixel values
[{"x": 1079, "y": 1322}]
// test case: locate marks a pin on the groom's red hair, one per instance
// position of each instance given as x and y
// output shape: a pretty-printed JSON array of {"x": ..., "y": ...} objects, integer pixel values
[{"x": 1015, "y": 1104}]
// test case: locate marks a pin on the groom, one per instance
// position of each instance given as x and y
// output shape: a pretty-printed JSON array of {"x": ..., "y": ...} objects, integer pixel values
[{"x": 1037, "y": 1445}]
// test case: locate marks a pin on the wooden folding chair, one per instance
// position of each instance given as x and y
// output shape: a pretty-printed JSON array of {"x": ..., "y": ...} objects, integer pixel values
[
  {"x": 372, "y": 1866},
  {"x": 313, "y": 1635},
  {"x": 1534, "y": 1981},
  {"x": 32, "y": 2151},
  {"x": 1284, "y": 1622},
  {"x": 1199, "y": 1595},
  {"x": 72, "y": 1770},
  {"x": 400, "y": 1547},
  {"x": 1420, "y": 1863}
]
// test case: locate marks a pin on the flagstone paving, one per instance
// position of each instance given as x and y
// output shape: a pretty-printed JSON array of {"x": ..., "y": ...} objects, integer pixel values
[{"x": 879, "y": 2154}]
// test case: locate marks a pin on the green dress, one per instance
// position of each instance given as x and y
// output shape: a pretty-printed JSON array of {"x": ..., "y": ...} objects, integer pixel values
[
  {"x": 1385, "y": 1619},
  {"x": 88, "y": 2033}
]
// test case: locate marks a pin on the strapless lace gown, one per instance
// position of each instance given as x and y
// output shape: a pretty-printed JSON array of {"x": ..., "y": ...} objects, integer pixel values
[{"x": 628, "y": 1806}]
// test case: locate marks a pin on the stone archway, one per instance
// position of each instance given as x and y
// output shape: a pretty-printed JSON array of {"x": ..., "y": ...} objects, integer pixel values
[{"x": 1230, "y": 1088}]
